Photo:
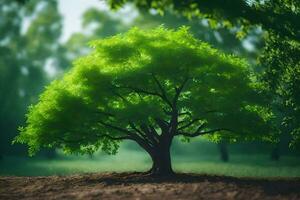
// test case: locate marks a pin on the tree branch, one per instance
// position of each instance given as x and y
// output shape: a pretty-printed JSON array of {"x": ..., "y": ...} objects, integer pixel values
[
  {"x": 116, "y": 128},
  {"x": 178, "y": 91},
  {"x": 172, "y": 126},
  {"x": 132, "y": 125},
  {"x": 185, "y": 113},
  {"x": 164, "y": 126},
  {"x": 190, "y": 114},
  {"x": 142, "y": 91},
  {"x": 151, "y": 134},
  {"x": 130, "y": 135},
  {"x": 197, "y": 133},
  {"x": 121, "y": 97},
  {"x": 145, "y": 135},
  {"x": 188, "y": 124},
  {"x": 139, "y": 90},
  {"x": 163, "y": 92},
  {"x": 105, "y": 113},
  {"x": 126, "y": 137}
]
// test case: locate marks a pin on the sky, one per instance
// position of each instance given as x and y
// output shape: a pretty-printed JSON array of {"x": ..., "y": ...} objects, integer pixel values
[{"x": 72, "y": 10}]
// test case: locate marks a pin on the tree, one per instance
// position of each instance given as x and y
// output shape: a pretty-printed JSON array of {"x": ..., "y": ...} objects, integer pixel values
[
  {"x": 280, "y": 16},
  {"x": 103, "y": 24},
  {"x": 149, "y": 87},
  {"x": 221, "y": 38},
  {"x": 222, "y": 146},
  {"x": 279, "y": 61},
  {"x": 29, "y": 37},
  {"x": 282, "y": 78}
]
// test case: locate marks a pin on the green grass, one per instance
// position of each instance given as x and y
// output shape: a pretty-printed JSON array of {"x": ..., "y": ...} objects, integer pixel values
[
  {"x": 124, "y": 161},
  {"x": 199, "y": 156},
  {"x": 131, "y": 160},
  {"x": 244, "y": 166}
]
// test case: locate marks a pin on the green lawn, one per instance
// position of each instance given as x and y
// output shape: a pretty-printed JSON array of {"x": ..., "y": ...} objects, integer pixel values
[{"x": 131, "y": 160}]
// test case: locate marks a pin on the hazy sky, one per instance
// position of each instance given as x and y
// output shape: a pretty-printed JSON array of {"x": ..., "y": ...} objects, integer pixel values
[{"x": 72, "y": 10}]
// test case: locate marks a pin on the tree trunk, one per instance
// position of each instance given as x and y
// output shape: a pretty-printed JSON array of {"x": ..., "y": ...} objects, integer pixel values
[
  {"x": 161, "y": 158},
  {"x": 275, "y": 154},
  {"x": 50, "y": 154},
  {"x": 161, "y": 164},
  {"x": 223, "y": 151}
]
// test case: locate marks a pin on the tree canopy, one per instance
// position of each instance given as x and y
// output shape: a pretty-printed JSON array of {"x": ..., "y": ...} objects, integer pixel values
[
  {"x": 148, "y": 86},
  {"x": 271, "y": 15},
  {"x": 280, "y": 58}
]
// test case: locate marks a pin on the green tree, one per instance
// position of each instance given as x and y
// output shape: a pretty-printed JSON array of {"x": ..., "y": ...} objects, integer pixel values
[
  {"x": 149, "y": 87},
  {"x": 280, "y": 16},
  {"x": 282, "y": 78},
  {"x": 280, "y": 59},
  {"x": 103, "y": 23},
  {"x": 24, "y": 52},
  {"x": 221, "y": 38}
]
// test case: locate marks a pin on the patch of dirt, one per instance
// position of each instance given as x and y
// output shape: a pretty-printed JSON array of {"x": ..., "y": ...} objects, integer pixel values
[{"x": 124, "y": 186}]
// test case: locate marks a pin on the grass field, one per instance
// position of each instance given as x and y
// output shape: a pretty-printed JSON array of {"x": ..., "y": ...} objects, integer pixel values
[
  {"x": 199, "y": 156},
  {"x": 131, "y": 160}
]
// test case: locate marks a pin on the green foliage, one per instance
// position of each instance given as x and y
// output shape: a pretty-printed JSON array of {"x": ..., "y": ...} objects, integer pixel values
[
  {"x": 131, "y": 80},
  {"x": 28, "y": 39},
  {"x": 282, "y": 78},
  {"x": 279, "y": 20},
  {"x": 221, "y": 38},
  {"x": 101, "y": 24},
  {"x": 271, "y": 15}
]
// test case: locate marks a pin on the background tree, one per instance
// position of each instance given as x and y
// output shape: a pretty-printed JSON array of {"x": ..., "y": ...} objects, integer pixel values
[
  {"x": 149, "y": 87},
  {"x": 28, "y": 40},
  {"x": 271, "y": 15}
]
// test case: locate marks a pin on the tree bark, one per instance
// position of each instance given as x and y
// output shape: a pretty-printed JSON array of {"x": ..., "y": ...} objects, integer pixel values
[
  {"x": 161, "y": 158},
  {"x": 161, "y": 164}
]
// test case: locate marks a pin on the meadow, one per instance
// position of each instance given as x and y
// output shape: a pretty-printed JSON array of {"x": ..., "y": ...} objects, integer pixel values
[{"x": 199, "y": 157}]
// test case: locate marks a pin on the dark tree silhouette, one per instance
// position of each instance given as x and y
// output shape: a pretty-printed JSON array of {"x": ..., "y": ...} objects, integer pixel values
[{"x": 224, "y": 156}]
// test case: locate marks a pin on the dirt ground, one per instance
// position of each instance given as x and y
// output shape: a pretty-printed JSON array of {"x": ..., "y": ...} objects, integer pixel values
[{"x": 139, "y": 186}]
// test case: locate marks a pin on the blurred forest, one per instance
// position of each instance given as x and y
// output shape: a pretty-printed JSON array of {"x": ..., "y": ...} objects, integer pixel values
[{"x": 32, "y": 54}]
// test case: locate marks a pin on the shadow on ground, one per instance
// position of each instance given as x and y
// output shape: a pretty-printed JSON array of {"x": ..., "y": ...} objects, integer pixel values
[{"x": 142, "y": 186}]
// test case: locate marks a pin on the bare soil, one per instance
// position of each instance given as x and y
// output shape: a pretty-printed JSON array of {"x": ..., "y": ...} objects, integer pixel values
[{"x": 140, "y": 186}]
